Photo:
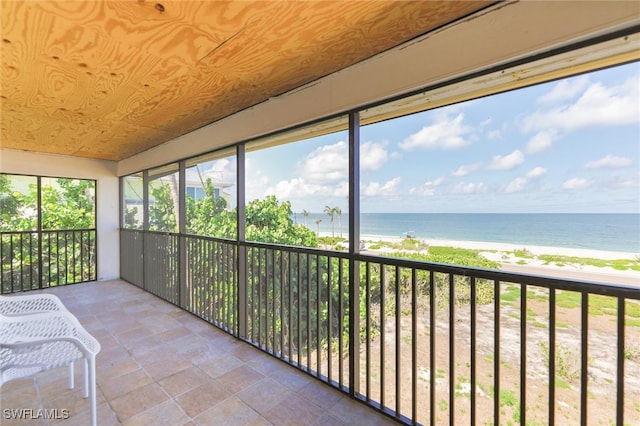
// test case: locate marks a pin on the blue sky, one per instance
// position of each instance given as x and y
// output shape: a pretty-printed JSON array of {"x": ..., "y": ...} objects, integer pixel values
[{"x": 572, "y": 145}]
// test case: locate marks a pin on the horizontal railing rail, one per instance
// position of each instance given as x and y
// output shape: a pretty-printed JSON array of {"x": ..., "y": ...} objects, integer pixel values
[
  {"x": 31, "y": 260},
  {"x": 434, "y": 343}
]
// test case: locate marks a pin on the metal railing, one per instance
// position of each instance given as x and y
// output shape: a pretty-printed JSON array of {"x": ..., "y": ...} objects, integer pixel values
[
  {"x": 424, "y": 343},
  {"x": 32, "y": 260}
]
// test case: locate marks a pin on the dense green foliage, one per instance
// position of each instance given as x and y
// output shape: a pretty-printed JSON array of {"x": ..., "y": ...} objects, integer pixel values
[
  {"x": 66, "y": 204},
  {"x": 266, "y": 220},
  {"x": 32, "y": 259}
]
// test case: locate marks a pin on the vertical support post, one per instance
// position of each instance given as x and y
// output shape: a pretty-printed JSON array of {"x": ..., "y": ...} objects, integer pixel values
[
  {"x": 120, "y": 201},
  {"x": 145, "y": 222},
  {"x": 40, "y": 235},
  {"x": 354, "y": 249},
  {"x": 182, "y": 229},
  {"x": 242, "y": 248}
]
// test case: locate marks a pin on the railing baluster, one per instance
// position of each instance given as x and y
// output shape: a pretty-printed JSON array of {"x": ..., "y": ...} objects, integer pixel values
[
  {"x": 584, "y": 377},
  {"x": 620, "y": 362},
  {"x": 329, "y": 318},
  {"x": 382, "y": 327},
  {"x": 523, "y": 354},
  {"x": 318, "y": 282},
  {"x": 432, "y": 348},
  {"x": 299, "y": 286},
  {"x": 452, "y": 346},
  {"x": 414, "y": 344},
  {"x": 308, "y": 275},
  {"x": 496, "y": 352},
  {"x": 341, "y": 323},
  {"x": 282, "y": 289},
  {"x": 552, "y": 355},
  {"x": 368, "y": 330},
  {"x": 290, "y": 306},
  {"x": 398, "y": 347},
  {"x": 473, "y": 350}
]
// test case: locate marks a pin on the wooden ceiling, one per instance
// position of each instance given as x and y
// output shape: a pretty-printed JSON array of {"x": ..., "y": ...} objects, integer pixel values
[{"x": 109, "y": 79}]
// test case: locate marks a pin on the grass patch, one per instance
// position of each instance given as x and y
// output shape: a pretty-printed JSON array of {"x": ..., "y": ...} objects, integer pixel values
[
  {"x": 632, "y": 322},
  {"x": 507, "y": 398},
  {"x": 617, "y": 264},
  {"x": 538, "y": 324},
  {"x": 523, "y": 253}
]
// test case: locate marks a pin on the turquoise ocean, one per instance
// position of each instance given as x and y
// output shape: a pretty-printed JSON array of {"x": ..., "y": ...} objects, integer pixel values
[{"x": 609, "y": 232}]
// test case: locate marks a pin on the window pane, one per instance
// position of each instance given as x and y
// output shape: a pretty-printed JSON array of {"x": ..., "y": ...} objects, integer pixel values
[
  {"x": 133, "y": 199},
  {"x": 68, "y": 203},
  {"x": 298, "y": 191},
  {"x": 164, "y": 198},
  {"x": 18, "y": 203},
  {"x": 510, "y": 175},
  {"x": 211, "y": 195}
]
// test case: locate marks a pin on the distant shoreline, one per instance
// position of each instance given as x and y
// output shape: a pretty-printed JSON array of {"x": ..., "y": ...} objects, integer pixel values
[
  {"x": 502, "y": 253},
  {"x": 506, "y": 247}
]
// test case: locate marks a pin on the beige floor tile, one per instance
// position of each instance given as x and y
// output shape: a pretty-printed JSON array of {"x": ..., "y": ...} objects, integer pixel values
[
  {"x": 184, "y": 381},
  {"x": 120, "y": 385},
  {"x": 216, "y": 367},
  {"x": 264, "y": 395},
  {"x": 294, "y": 411},
  {"x": 167, "y": 413},
  {"x": 231, "y": 412},
  {"x": 320, "y": 394},
  {"x": 202, "y": 398},
  {"x": 138, "y": 401},
  {"x": 240, "y": 378}
]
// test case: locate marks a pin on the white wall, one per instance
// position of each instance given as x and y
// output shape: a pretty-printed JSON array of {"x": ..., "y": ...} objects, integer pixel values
[{"x": 104, "y": 172}]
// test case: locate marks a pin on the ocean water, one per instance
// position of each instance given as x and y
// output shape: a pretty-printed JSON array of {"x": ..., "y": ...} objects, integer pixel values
[{"x": 609, "y": 232}]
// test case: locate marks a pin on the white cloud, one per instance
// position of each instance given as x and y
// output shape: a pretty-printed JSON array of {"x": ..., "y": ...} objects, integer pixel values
[
  {"x": 427, "y": 189},
  {"x": 327, "y": 164},
  {"x": 542, "y": 141},
  {"x": 536, "y": 172},
  {"x": 330, "y": 163},
  {"x": 388, "y": 188},
  {"x": 470, "y": 188},
  {"x": 576, "y": 183},
  {"x": 609, "y": 161},
  {"x": 519, "y": 183},
  {"x": 445, "y": 134},
  {"x": 507, "y": 162},
  {"x": 564, "y": 90},
  {"x": 516, "y": 185},
  {"x": 465, "y": 169},
  {"x": 597, "y": 106},
  {"x": 296, "y": 187},
  {"x": 372, "y": 156}
]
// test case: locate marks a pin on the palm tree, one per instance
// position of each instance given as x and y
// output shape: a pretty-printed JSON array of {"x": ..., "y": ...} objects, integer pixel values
[
  {"x": 305, "y": 213},
  {"x": 330, "y": 211},
  {"x": 318, "y": 227},
  {"x": 338, "y": 211}
]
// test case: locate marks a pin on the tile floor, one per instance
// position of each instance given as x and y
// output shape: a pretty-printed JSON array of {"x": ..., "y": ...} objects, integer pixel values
[{"x": 160, "y": 365}]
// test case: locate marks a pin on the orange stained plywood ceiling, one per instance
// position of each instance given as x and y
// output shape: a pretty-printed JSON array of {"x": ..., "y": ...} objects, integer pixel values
[{"x": 109, "y": 79}]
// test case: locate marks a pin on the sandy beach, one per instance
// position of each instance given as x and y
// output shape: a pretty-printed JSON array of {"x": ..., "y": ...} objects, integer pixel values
[{"x": 503, "y": 254}]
